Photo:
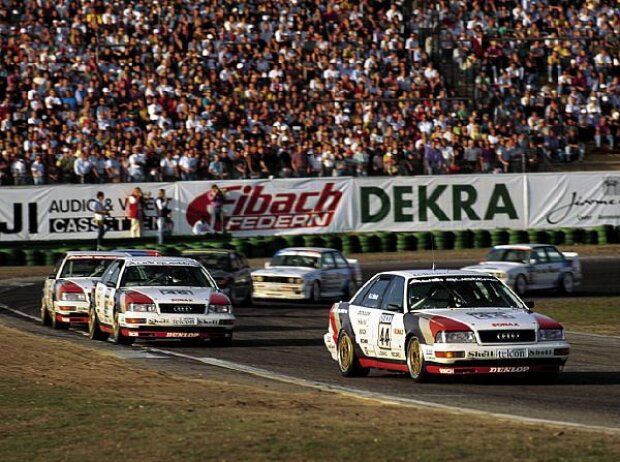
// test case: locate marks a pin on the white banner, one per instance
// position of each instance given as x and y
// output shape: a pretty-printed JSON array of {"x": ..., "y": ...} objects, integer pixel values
[
  {"x": 325, "y": 205},
  {"x": 427, "y": 203},
  {"x": 576, "y": 200}
]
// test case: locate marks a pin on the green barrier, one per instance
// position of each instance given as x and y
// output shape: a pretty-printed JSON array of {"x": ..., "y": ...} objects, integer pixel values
[
  {"x": 369, "y": 243},
  {"x": 568, "y": 236},
  {"x": 351, "y": 244},
  {"x": 482, "y": 239},
  {"x": 499, "y": 237},
  {"x": 333, "y": 242},
  {"x": 591, "y": 236},
  {"x": 516, "y": 236},
  {"x": 605, "y": 234},
  {"x": 423, "y": 240},
  {"x": 442, "y": 240},
  {"x": 405, "y": 242},
  {"x": 463, "y": 239},
  {"x": 314, "y": 240},
  {"x": 278, "y": 243},
  {"x": 557, "y": 237},
  {"x": 387, "y": 240},
  {"x": 294, "y": 240}
]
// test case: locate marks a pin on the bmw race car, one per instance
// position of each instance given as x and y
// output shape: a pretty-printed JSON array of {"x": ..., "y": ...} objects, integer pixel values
[
  {"x": 67, "y": 291},
  {"x": 442, "y": 322},
  {"x": 159, "y": 297},
  {"x": 526, "y": 267},
  {"x": 307, "y": 273}
]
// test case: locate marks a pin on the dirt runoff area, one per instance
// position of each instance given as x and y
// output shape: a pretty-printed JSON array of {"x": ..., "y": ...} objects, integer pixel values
[{"x": 63, "y": 398}]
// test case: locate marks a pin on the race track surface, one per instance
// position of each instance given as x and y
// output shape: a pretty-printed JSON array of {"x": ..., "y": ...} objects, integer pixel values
[{"x": 286, "y": 338}]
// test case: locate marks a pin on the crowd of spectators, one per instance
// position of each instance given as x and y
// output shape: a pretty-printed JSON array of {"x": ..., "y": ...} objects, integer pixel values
[{"x": 95, "y": 91}]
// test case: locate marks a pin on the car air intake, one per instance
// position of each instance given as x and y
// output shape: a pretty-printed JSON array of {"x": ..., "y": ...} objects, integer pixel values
[
  {"x": 507, "y": 336},
  {"x": 182, "y": 308}
]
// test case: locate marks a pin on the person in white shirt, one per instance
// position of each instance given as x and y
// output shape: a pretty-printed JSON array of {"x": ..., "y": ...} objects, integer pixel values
[
  {"x": 136, "y": 166},
  {"x": 82, "y": 168},
  {"x": 113, "y": 168},
  {"x": 37, "y": 169},
  {"x": 169, "y": 168},
  {"x": 201, "y": 227},
  {"x": 18, "y": 170}
]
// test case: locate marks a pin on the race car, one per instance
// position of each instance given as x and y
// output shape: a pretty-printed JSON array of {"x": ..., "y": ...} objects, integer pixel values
[
  {"x": 67, "y": 291},
  {"x": 229, "y": 268},
  {"x": 443, "y": 322},
  {"x": 159, "y": 297},
  {"x": 526, "y": 267},
  {"x": 307, "y": 273}
]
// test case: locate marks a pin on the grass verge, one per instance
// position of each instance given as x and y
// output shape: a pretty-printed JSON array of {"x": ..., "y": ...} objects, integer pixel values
[
  {"x": 596, "y": 315},
  {"x": 62, "y": 401}
]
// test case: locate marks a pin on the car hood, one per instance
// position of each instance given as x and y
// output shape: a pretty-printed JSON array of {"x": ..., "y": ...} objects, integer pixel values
[
  {"x": 494, "y": 266},
  {"x": 482, "y": 318},
  {"x": 86, "y": 284},
  {"x": 218, "y": 273},
  {"x": 168, "y": 294},
  {"x": 284, "y": 271}
]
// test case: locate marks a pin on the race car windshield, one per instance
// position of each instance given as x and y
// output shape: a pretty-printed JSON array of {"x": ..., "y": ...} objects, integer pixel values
[
  {"x": 159, "y": 275},
  {"x": 306, "y": 261},
  {"x": 510, "y": 255},
  {"x": 85, "y": 268},
  {"x": 221, "y": 262},
  {"x": 460, "y": 293}
]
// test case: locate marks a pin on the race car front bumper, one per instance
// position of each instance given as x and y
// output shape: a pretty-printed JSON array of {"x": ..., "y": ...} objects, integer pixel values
[
  {"x": 288, "y": 291},
  {"x": 71, "y": 312},
  {"x": 154, "y": 325}
]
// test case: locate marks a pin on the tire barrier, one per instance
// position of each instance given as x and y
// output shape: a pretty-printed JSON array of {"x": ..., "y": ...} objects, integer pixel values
[
  {"x": 482, "y": 238},
  {"x": 405, "y": 242},
  {"x": 499, "y": 237},
  {"x": 518, "y": 236},
  {"x": 463, "y": 239},
  {"x": 424, "y": 240}
]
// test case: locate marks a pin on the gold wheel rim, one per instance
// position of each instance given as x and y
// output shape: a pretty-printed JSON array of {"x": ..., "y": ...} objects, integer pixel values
[
  {"x": 91, "y": 321},
  {"x": 345, "y": 353},
  {"x": 415, "y": 359}
]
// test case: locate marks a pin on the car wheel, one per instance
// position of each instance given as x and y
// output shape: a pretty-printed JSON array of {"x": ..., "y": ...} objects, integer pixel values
[
  {"x": 118, "y": 334},
  {"x": 45, "y": 315},
  {"x": 567, "y": 284},
  {"x": 415, "y": 360},
  {"x": 94, "y": 330},
  {"x": 316, "y": 292},
  {"x": 347, "y": 359},
  {"x": 56, "y": 324},
  {"x": 520, "y": 285}
]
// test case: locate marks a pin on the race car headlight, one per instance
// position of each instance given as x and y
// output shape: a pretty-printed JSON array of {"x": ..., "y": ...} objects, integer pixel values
[
  {"x": 220, "y": 309},
  {"x": 73, "y": 297},
  {"x": 258, "y": 278},
  {"x": 295, "y": 280},
  {"x": 455, "y": 337},
  {"x": 550, "y": 335},
  {"x": 141, "y": 307}
]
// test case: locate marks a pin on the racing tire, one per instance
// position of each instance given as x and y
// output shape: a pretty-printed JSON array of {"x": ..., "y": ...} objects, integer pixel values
[
  {"x": 56, "y": 324},
  {"x": 520, "y": 285},
  {"x": 94, "y": 329},
  {"x": 567, "y": 284},
  {"x": 348, "y": 362},
  {"x": 415, "y": 361},
  {"x": 222, "y": 342},
  {"x": 315, "y": 295},
  {"x": 118, "y": 334},
  {"x": 45, "y": 315}
]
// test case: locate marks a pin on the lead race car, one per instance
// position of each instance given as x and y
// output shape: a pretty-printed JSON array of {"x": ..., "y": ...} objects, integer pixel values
[
  {"x": 307, "y": 273},
  {"x": 526, "y": 267},
  {"x": 442, "y": 322},
  {"x": 67, "y": 291},
  {"x": 159, "y": 297}
]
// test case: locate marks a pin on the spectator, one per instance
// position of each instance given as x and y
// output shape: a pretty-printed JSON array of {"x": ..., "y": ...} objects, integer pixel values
[
  {"x": 37, "y": 170},
  {"x": 82, "y": 167},
  {"x": 163, "y": 214},
  {"x": 215, "y": 207},
  {"x": 99, "y": 218},
  {"x": 135, "y": 212},
  {"x": 201, "y": 227}
]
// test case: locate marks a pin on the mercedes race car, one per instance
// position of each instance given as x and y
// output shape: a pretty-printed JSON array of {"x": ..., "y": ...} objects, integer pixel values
[
  {"x": 307, "y": 273},
  {"x": 526, "y": 267},
  {"x": 159, "y": 297},
  {"x": 443, "y": 322},
  {"x": 67, "y": 291}
]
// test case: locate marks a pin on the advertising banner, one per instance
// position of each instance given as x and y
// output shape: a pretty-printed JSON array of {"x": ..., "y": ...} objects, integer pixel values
[
  {"x": 434, "y": 203},
  {"x": 577, "y": 200}
]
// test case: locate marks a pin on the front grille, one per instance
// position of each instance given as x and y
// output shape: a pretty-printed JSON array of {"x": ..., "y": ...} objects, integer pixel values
[
  {"x": 507, "y": 336},
  {"x": 279, "y": 279},
  {"x": 182, "y": 308}
]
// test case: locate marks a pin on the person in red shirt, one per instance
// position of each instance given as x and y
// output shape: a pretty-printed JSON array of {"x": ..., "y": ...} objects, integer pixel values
[{"x": 135, "y": 212}]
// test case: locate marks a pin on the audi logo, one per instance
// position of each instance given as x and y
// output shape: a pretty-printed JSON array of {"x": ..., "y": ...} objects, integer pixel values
[
  {"x": 507, "y": 336},
  {"x": 182, "y": 309}
]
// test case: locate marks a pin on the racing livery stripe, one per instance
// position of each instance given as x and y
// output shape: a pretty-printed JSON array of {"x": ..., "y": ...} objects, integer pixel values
[
  {"x": 378, "y": 364},
  {"x": 425, "y": 330},
  {"x": 441, "y": 323},
  {"x": 545, "y": 322}
]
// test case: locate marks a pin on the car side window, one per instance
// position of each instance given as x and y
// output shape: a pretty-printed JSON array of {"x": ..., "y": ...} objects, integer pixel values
[
  {"x": 234, "y": 262},
  {"x": 554, "y": 255},
  {"x": 540, "y": 255},
  {"x": 341, "y": 262},
  {"x": 107, "y": 275},
  {"x": 327, "y": 261},
  {"x": 374, "y": 296},
  {"x": 244, "y": 262},
  {"x": 393, "y": 299}
]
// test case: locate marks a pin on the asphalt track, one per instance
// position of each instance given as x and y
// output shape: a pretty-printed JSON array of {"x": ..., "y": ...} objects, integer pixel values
[{"x": 286, "y": 339}]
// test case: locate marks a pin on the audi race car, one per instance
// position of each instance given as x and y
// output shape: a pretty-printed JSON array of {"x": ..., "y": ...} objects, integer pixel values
[
  {"x": 160, "y": 297},
  {"x": 526, "y": 267},
  {"x": 67, "y": 291},
  {"x": 442, "y": 322},
  {"x": 307, "y": 273}
]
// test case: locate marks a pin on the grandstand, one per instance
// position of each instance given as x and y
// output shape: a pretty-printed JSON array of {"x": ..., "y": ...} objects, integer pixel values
[{"x": 95, "y": 91}]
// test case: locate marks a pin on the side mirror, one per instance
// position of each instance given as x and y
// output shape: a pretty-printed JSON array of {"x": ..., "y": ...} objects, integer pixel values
[
  {"x": 533, "y": 261},
  {"x": 110, "y": 284},
  {"x": 393, "y": 307},
  {"x": 51, "y": 276},
  {"x": 267, "y": 264},
  {"x": 530, "y": 304}
]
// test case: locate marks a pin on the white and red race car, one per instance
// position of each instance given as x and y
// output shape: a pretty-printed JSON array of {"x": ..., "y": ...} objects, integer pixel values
[
  {"x": 160, "y": 298},
  {"x": 67, "y": 291},
  {"x": 443, "y": 322}
]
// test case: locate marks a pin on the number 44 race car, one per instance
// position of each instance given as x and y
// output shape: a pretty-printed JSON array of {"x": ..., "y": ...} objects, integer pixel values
[{"x": 443, "y": 322}]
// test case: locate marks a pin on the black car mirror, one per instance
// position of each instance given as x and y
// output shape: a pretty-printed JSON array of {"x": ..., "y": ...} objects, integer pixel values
[
  {"x": 393, "y": 307},
  {"x": 530, "y": 304}
]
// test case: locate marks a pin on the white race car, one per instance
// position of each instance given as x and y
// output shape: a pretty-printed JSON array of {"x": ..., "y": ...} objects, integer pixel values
[
  {"x": 526, "y": 267},
  {"x": 160, "y": 297},
  {"x": 442, "y": 322},
  {"x": 67, "y": 291},
  {"x": 307, "y": 273}
]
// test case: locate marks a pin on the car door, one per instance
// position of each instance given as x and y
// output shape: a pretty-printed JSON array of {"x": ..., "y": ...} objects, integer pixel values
[
  {"x": 330, "y": 278},
  {"x": 365, "y": 314},
  {"x": 543, "y": 272},
  {"x": 390, "y": 332},
  {"x": 245, "y": 275},
  {"x": 557, "y": 265},
  {"x": 345, "y": 272},
  {"x": 105, "y": 292},
  {"x": 50, "y": 285}
]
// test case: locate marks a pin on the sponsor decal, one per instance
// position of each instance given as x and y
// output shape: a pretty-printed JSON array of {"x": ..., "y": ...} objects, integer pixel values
[
  {"x": 373, "y": 296},
  {"x": 491, "y": 315},
  {"x": 341, "y": 310},
  {"x": 176, "y": 292},
  {"x": 362, "y": 331},
  {"x": 385, "y": 326},
  {"x": 363, "y": 313},
  {"x": 395, "y": 354},
  {"x": 386, "y": 318},
  {"x": 182, "y": 309},
  {"x": 182, "y": 334},
  {"x": 505, "y": 324},
  {"x": 485, "y": 354},
  {"x": 540, "y": 353},
  {"x": 508, "y": 336},
  {"x": 250, "y": 207},
  {"x": 362, "y": 322},
  {"x": 399, "y": 332},
  {"x": 509, "y": 369},
  {"x": 446, "y": 370},
  {"x": 363, "y": 340}
]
